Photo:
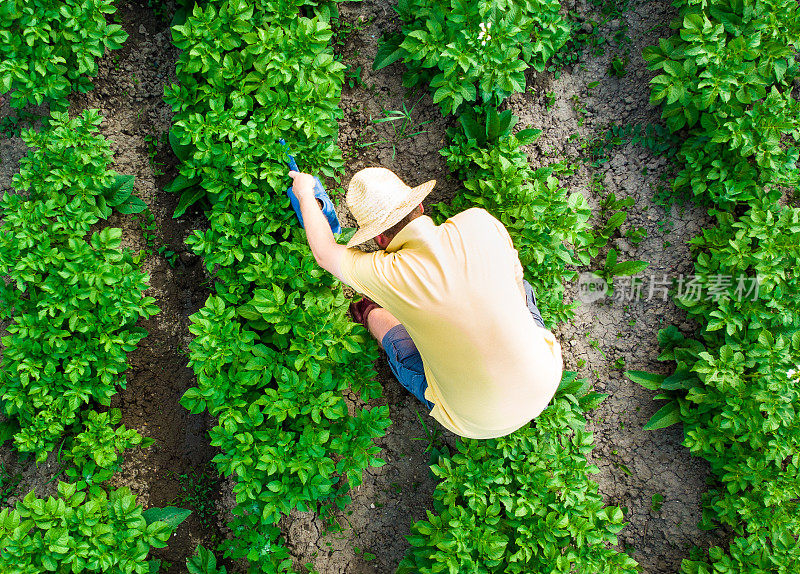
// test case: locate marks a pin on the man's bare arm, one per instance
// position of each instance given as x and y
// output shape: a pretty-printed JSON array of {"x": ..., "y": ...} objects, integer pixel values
[{"x": 327, "y": 252}]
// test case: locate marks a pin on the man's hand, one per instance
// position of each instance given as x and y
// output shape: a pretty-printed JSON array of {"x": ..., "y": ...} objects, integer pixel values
[
  {"x": 327, "y": 252},
  {"x": 303, "y": 184}
]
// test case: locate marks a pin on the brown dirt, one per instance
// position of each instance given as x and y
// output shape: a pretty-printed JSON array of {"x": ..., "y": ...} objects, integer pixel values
[{"x": 634, "y": 464}]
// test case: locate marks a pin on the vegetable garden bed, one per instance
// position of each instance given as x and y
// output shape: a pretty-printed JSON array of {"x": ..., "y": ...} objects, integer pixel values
[{"x": 237, "y": 454}]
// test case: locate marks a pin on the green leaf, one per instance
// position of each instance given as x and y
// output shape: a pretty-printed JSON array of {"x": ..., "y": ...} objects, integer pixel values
[
  {"x": 132, "y": 205},
  {"x": 389, "y": 51},
  {"x": 680, "y": 379},
  {"x": 180, "y": 183},
  {"x": 650, "y": 381},
  {"x": 346, "y": 235},
  {"x": 182, "y": 151},
  {"x": 188, "y": 198},
  {"x": 591, "y": 400},
  {"x": 615, "y": 221},
  {"x": 8, "y": 429},
  {"x": 203, "y": 562},
  {"x": 571, "y": 385},
  {"x": 528, "y": 136},
  {"x": 119, "y": 190},
  {"x": 629, "y": 267},
  {"x": 171, "y": 515},
  {"x": 666, "y": 416}
]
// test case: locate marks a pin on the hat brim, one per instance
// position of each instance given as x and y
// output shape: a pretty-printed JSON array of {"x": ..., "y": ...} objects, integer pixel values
[{"x": 415, "y": 197}]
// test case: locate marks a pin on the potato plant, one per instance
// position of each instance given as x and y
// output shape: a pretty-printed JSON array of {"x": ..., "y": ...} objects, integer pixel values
[
  {"x": 493, "y": 512},
  {"x": 83, "y": 530},
  {"x": 73, "y": 299},
  {"x": 473, "y": 51},
  {"x": 522, "y": 503},
  {"x": 541, "y": 219},
  {"x": 49, "y": 48},
  {"x": 726, "y": 76},
  {"x": 273, "y": 350},
  {"x": 502, "y": 505}
]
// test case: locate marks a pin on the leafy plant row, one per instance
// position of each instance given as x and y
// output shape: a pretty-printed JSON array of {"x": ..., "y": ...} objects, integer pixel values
[
  {"x": 525, "y": 502},
  {"x": 49, "y": 48},
  {"x": 273, "y": 351},
  {"x": 522, "y": 503},
  {"x": 84, "y": 531},
  {"x": 472, "y": 52},
  {"x": 73, "y": 299},
  {"x": 73, "y": 302},
  {"x": 726, "y": 76},
  {"x": 87, "y": 528}
]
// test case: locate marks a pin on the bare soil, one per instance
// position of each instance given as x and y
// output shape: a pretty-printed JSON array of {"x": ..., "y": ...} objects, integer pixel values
[{"x": 368, "y": 537}]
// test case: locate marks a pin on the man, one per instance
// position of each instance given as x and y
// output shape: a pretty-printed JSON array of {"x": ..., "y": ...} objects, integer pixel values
[{"x": 449, "y": 306}]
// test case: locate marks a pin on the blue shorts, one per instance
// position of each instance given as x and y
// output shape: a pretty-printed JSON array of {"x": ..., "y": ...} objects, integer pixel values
[{"x": 406, "y": 362}]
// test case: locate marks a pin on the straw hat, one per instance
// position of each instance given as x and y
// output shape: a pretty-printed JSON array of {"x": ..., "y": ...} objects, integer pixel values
[{"x": 378, "y": 199}]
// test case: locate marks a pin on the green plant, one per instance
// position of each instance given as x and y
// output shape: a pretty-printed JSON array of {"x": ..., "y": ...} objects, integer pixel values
[
  {"x": 651, "y": 136},
  {"x": 472, "y": 53},
  {"x": 612, "y": 268},
  {"x": 402, "y": 127},
  {"x": 618, "y": 65},
  {"x": 8, "y": 483},
  {"x": 657, "y": 502},
  {"x": 738, "y": 375},
  {"x": 727, "y": 77},
  {"x": 160, "y": 10},
  {"x": 636, "y": 235},
  {"x": 551, "y": 100},
  {"x": 595, "y": 344},
  {"x": 542, "y": 512},
  {"x": 204, "y": 562},
  {"x": 342, "y": 29},
  {"x": 353, "y": 77},
  {"x": 84, "y": 531},
  {"x": 622, "y": 466},
  {"x": 612, "y": 215},
  {"x": 570, "y": 53},
  {"x": 433, "y": 438},
  {"x": 49, "y": 48},
  {"x": 73, "y": 299},
  {"x": 272, "y": 350},
  {"x": 11, "y": 126},
  {"x": 208, "y": 166},
  {"x": 152, "y": 142},
  {"x": 147, "y": 223},
  {"x": 578, "y": 108},
  {"x": 95, "y": 451},
  {"x": 197, "y": 493},
  {"x": 538, "y": 214},
  {"x": 619, "y": 363}
]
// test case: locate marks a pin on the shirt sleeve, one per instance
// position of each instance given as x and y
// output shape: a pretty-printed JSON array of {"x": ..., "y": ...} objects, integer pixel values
[{"x": 364, "y": 272}]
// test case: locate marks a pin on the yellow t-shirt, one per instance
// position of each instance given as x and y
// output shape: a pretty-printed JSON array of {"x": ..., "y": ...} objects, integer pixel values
[{"x": 457, "y": 289}]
